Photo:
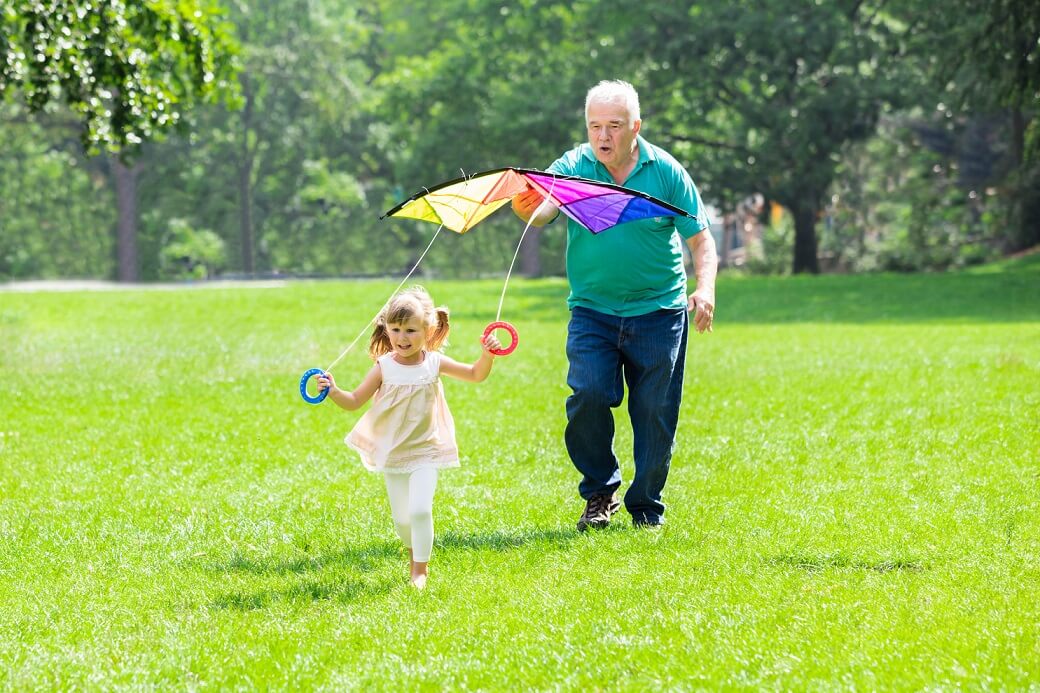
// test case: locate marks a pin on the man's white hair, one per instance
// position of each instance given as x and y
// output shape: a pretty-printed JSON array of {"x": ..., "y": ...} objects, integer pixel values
[{"x": 614, "y": 91}]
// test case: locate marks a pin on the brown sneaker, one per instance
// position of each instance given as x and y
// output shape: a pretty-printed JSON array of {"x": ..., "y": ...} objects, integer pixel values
[{"x": 598, "y": 511}]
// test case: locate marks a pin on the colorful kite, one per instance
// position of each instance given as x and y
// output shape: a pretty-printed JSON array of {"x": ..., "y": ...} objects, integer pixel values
[{"x": 463, "y": 203}]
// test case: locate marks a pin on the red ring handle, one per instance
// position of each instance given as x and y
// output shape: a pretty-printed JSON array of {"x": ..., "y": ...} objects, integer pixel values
[{"x": 505, "y": 351}]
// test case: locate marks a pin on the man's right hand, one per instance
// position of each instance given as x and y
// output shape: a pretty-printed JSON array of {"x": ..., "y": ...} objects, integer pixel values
[{"x": 526, "y": 204}]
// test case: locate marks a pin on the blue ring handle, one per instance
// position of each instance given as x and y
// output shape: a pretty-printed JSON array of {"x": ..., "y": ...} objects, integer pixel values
[{"x": 303, "y": 387}]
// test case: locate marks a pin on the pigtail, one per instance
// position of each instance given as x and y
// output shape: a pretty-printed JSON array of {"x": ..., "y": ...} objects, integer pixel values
[
  {"x": 379, "y": 344},
  {"x": 439, "y": 332}
]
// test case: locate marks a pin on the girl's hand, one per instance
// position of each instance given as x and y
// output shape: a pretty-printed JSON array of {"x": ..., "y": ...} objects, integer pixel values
[
  {"x": 490, "y": 342},
  {"x": 325, "y": 381}
]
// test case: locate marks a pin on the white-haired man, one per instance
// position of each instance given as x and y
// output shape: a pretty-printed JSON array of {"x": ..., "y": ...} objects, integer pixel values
[{"x": 629, "y": 308}]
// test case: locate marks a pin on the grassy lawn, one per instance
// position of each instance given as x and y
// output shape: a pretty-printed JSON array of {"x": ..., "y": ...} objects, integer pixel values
[{"x": 854, "y": 501}]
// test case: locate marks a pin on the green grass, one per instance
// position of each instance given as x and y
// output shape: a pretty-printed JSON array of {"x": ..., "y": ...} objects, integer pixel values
[{"x": 853, "y": 502}]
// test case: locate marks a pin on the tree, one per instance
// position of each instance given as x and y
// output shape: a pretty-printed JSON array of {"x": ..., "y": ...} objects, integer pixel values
[
  {"x": 986, "y": 65},
  {"x": 55, "y": 213},
  {"x": 478, "y": 85},
  {"x": 782, "y": 88},
  {"x": 129, "y": 71},
  {"x": 752, "y": 97},
  {"x": 762, "y": 96},
  {"x": 299, "y": 152}
]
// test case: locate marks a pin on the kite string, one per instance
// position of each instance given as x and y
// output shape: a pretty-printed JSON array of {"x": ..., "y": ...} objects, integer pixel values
[
  {"x": 392, "y": 294},
  {"x": 502, "y": 298}
]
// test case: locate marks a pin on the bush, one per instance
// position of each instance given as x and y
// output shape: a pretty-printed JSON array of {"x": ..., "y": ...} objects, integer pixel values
[
  {"x": 773, "y": 254},
  {"x": 190, "y": 253}
]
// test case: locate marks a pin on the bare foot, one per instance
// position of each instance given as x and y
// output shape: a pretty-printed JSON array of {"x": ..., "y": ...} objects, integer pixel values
[{"x": 420, "y": 571}]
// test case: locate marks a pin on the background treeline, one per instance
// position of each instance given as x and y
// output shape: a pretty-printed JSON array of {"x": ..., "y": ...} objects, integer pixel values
[{"x": 269, "y": 136}]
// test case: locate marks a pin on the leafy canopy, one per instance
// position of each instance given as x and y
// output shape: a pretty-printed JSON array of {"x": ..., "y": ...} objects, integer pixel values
[{"x": 129, "y": 70}]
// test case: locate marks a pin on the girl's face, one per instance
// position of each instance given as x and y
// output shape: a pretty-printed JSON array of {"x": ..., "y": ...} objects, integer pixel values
[{"x": 408, "y": 339}]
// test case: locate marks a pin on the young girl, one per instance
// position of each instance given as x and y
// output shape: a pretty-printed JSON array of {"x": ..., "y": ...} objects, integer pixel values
[{"x": 409, "y": 434}]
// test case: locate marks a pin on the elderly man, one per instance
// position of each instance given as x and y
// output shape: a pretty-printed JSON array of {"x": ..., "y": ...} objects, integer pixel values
[{"x": 629, "y": 308}]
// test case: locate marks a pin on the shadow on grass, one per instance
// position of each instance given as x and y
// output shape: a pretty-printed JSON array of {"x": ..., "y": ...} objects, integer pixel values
[
  {"x": 373, "y": 556},
  {"x": 555, "y": 538},
  {"x": 346, "y": 576},
  {"x": 359, "y": 573},
  {"x": 364, "y": 558},
  {"x": 310, "y": 590},
  {"x": 839, "y": 561}
]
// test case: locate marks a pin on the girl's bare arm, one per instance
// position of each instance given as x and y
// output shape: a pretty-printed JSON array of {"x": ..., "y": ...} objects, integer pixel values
[
  {"x": 362, "y": 393},
  {"x": 478, "y": 370}
]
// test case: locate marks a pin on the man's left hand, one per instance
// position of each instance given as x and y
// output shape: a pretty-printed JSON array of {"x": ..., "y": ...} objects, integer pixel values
[{"x": 703, "y": 308}]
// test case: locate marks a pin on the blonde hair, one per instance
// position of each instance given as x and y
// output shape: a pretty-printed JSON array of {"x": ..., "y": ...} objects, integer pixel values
[
  {"x": 614, "y": 91},
  {"x": 414, "y": 302}
]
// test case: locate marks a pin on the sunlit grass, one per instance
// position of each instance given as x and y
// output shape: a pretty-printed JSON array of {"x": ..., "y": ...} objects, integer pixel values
[{"x": 853, "y": 502}]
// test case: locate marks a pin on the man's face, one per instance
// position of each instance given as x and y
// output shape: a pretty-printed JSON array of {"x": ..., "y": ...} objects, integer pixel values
[{"x": 612, "y": 134}]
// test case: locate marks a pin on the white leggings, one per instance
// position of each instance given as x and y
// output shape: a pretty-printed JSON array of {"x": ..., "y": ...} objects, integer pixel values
[{"x": 411, "y": 504}]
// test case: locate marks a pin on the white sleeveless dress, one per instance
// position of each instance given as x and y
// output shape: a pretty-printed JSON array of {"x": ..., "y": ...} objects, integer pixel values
[{"x": 409, "y": 425}]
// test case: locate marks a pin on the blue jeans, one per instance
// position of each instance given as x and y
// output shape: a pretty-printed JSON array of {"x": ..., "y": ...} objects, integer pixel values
[{"x": 648, "y": 351}]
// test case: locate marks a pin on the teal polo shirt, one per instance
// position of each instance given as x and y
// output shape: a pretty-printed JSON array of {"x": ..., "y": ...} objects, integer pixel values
[{"x": 637, "y": 267}]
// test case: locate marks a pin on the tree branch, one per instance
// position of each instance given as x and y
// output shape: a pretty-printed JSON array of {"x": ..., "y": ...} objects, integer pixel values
[{"x": 715, "y": 144}]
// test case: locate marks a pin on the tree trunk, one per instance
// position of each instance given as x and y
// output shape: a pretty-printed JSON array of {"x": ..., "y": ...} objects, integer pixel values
[
  {"x": 245, "y": 187},
  {"x": 1018, "y": 137},
  {"x": 245, "y": 217},
  {"x": 805, "y": 256},
  {"x": 1025, "y": 195},
  {"x": 125, "y": 178},
  {"x": 530, "y": 253}
]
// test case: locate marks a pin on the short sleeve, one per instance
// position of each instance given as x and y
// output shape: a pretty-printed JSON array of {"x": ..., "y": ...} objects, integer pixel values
[
  {"x": 687, "y": 197},
  {"x": 566, "y": 165}
]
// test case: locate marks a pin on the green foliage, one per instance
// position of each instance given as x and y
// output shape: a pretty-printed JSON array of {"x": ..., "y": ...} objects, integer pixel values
[
  {"x": 898, "y": 205},
  {"x": 55, "y": 210},
  {"x": 190, "y": 253},
  {"x": 1025, "y": 217},
  {"x": 475, "y": 86},
  {"x": 990, "y": 65},
  {"x": 494, "y": 75},
  {"x": 773, "y": 255},
  {"x": 346, "y": 107},
  {"x": 852, "y": 502},
  {"x": 284, "y": 178},
  {"x": 989, "y": 60},
  {"x": 128, "y": 70},
  {"x": 763, "y": 96},
  {"x": 326, "y": 205}
]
